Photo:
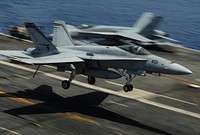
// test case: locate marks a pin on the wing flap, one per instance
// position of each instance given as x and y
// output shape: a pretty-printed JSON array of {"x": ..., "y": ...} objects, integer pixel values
[{"x": 49, "y": 60}]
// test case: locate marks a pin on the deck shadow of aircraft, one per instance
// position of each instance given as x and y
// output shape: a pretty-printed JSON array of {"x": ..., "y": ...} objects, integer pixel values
[{"x": 86, "y": 104}]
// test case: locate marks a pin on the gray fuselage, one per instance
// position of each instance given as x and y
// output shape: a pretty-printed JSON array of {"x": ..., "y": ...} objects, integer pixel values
[{"x": 150, "y": 62}]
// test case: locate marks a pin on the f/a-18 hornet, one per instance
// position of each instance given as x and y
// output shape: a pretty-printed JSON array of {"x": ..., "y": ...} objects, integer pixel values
[
  {"x": 93, "y": 61},
  {"x": 143, "y": 32}
]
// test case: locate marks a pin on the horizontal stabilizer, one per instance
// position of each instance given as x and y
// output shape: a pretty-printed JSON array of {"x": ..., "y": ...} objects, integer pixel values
[{"x": 167, "y": 38}]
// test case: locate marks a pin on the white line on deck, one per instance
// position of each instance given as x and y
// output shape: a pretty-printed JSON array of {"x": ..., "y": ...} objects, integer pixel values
[
  {"x": 194, "y": 86},
  {"x": 198, "y": 80},
  {"x": 21, "y": 76},
  {"x": 117, "y": 93},
  {"x": 113, "y": 102},
  {"x": 10, "y": 131},
  {"x": 49, "y": 66},
  {"x": 148, "y": 95}
]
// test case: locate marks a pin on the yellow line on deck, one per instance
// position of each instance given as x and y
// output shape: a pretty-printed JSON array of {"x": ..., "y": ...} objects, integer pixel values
[
  {"x": 67, "y": 115},
  {"x": 21, "y": 100},
  {"x": 79, "y": 118}
]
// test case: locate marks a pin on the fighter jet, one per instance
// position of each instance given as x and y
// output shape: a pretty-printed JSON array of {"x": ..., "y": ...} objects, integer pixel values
[
  {"x": 93, "y": 61},
  {"x": 143, "y": 32}
]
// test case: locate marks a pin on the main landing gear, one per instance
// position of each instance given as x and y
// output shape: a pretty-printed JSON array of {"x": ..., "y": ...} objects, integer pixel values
[
  {"x": 91, "y": 80},
  {"x": 128, "y": 86},
  {"x": 66, "y": 83}
]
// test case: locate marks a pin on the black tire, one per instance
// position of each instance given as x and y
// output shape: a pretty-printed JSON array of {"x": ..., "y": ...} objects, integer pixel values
[
  {"x": 65, "y": 84},
  {"x": 91, "y": 80},
  {"x": 128, "y": 87}
]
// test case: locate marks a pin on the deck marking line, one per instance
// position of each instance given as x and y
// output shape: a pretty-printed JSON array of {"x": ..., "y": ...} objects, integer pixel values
[
  {"x": 21, "y": 76},
  {"x": 79, "y": 118},
  {"x": 22, "y": 100},
  {"x": 69, "y": 115},
  {"x": 10, "y": 131},
  {"x": 118, "y": 103},
  {"x": 171, "y": 108},
  {"x": 146, "y": 94},
  {"x": 78, "y": 83}
]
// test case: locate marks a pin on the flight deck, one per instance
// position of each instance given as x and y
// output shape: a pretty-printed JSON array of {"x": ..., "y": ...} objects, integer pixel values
[{"x": 163, "y": 104}]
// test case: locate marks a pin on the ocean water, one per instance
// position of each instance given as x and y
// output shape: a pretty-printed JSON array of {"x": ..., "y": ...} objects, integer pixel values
[{"x": 181, "y": 17}]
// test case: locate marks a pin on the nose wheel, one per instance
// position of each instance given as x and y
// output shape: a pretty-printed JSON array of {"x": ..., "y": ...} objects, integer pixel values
[{"x": 128, "y": 87}]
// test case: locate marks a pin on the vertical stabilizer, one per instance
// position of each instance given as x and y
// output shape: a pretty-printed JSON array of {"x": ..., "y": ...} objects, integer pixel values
[
  {"x": 42, "y": 44},
  {"x": 61, "y": 36},
  {"x": 147, "y": 23}
]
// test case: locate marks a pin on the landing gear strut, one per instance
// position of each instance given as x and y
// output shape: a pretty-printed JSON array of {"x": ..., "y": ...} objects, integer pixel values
[
  {"x": 66, "y": 83},
  {"x": 128, "y": 86},
  {"x": 91, "y": 80}
]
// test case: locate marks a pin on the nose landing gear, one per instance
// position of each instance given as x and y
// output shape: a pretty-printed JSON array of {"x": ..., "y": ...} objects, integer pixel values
[{"x": 128, "y": 86}]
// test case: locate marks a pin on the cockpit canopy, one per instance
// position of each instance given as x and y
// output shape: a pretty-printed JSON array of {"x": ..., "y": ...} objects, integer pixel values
[
  {"x": 84, "y": 26},
  {"x": 135, "y": 49}
]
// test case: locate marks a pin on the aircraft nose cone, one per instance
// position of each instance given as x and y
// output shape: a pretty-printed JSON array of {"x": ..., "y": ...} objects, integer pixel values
[{"x": 178, "y": 69}]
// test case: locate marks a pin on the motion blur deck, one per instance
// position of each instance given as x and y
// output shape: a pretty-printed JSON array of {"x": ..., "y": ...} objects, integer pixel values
[{"x": 158, "y": 105}]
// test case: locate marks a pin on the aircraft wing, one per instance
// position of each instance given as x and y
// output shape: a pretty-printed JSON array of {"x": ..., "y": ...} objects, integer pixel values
[
  {"x": 45, "y": 60},
  {"x": 21, "y": 57},
  {"x": 128, "y": 34}
]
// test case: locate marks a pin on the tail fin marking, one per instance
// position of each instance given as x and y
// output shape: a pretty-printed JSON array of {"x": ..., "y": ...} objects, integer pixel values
[
  {"x": 147, "y": 23},
  {"x": 61, "y": 36}
]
